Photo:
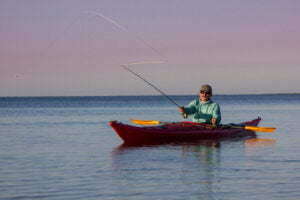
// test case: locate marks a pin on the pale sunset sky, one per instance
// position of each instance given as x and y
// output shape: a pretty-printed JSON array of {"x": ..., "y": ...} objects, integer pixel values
[{"x": 60, "y": 48}]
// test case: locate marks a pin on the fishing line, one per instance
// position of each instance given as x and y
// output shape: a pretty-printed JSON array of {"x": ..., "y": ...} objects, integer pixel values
[
  {"x": 138, "y": 63},
  {"x": 141, "y": 63},
  {"x": 64, "y": 31},
  {"x": 44, "y": 51},
  {"x": 115, "y": 23}
]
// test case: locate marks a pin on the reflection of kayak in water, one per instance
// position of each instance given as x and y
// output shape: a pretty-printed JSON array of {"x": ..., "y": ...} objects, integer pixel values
[
  {"x": 180, "y": 131},
  {"x": 201, "y": 146}
]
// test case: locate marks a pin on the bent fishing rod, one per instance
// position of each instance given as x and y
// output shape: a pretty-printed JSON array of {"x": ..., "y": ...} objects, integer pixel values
[{"x": 185, "y": 115}]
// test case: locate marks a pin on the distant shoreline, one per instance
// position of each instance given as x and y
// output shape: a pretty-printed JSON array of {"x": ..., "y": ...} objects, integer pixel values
[{"x": 76, "y": 96}]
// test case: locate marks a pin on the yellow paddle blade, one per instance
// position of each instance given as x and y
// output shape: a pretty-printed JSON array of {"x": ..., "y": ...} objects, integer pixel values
[
  {"x": 261, "y": 129},
  {"x": 144, "y": 122}
]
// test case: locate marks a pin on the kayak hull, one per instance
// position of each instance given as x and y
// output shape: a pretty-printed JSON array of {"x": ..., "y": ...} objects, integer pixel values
[{"x": 180, "y": 131}]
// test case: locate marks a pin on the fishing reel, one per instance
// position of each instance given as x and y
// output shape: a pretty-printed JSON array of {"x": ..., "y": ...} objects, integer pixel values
[{"x": 184, "y": 115}]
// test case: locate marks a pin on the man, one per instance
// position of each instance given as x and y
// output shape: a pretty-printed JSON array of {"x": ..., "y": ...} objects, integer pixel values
[{"x": 203, "y": 109}]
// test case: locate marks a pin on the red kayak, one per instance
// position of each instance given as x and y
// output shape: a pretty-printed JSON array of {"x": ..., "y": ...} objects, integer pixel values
[{"x": 181, "y": 131}]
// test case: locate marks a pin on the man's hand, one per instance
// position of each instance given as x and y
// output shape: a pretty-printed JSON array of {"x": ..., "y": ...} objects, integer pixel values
[
  {"x": 181, "y": 109},
  {"x": 214, "y": 121}
]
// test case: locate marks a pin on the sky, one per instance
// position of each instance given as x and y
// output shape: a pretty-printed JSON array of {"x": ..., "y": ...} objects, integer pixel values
[{"x": 76, "y": 47}]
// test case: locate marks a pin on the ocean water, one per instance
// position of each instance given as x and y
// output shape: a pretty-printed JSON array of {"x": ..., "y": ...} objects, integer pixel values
[{"x": 63, "y": 148}]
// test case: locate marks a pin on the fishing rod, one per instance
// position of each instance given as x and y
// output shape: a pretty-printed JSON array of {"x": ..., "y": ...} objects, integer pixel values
[
  {"x": 153, "y": 86},
  {"x": 119, "y": 26}
]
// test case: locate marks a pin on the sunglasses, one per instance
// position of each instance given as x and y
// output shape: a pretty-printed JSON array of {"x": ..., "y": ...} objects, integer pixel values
[{"x": 204, "y": 92}]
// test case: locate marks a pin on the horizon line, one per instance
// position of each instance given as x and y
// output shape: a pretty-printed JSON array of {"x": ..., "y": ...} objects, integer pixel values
[{"x": 289, "y": 93}]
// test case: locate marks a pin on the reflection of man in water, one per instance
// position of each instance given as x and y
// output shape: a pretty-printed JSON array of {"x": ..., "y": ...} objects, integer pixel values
[
  {"x": 204, "y": 147},
  {"x": 204, "y": 165}
]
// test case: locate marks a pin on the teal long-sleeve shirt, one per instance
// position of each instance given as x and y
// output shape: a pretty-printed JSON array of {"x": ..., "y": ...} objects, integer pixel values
[{"x": 203, "y": 112}]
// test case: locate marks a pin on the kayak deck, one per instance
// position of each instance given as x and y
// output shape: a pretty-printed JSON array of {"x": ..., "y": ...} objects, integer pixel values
[{"x": 180, "y": 131}]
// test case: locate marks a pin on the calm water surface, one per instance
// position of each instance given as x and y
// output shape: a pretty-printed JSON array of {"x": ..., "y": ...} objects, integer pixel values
[{"x": 64, "y": 148}]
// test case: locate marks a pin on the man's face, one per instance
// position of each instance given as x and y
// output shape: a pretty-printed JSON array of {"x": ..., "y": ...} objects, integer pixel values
[{"x": 204, "y": 95}]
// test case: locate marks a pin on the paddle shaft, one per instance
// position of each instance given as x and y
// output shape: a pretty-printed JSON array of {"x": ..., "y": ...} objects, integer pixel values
[{"x": 241, "y": 126}]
